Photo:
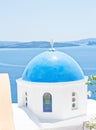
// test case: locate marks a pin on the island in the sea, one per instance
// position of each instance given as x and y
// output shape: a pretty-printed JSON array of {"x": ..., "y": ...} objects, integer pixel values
[{"x": 45, "y": 44}]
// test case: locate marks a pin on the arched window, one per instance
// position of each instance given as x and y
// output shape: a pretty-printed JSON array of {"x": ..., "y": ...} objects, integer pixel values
[{"x": 47, "y": 102}]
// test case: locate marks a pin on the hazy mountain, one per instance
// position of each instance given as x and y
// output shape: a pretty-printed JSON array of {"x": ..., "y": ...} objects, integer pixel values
[
  {"x": 45, "y": 44},
  {"x": 90, "y": 41}
]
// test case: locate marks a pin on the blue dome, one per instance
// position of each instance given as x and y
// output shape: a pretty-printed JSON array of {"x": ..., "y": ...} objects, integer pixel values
[{"x": 52, "y": 66}]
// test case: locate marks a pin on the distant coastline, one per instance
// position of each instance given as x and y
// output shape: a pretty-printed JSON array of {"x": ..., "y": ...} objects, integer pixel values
[{"x": 45, "y": 44}]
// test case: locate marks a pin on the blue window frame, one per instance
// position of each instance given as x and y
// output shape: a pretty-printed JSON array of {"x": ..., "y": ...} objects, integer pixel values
[{"x": 47, "y": 102}]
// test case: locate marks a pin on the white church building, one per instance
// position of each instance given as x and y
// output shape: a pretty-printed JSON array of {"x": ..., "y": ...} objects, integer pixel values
[{"x": 53, "y": 86}]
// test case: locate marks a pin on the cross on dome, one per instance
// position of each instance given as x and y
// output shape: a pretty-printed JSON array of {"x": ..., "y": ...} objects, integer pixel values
[{"x": 52, "y": 44}]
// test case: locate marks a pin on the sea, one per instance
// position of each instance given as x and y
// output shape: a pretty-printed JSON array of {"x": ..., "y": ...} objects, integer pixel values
[{"x": 14, "y": 60}]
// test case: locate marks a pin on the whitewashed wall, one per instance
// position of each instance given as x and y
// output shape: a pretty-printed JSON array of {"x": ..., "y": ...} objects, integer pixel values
[{"x": 61, "y": 98}]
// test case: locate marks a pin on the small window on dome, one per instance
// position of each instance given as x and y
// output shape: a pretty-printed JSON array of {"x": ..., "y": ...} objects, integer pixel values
[
  {"x": 73, "y": 93},
  {"x": 47, "y": 102},
  {"x": 74, "y": 101},
  {"x": 26, "y": 93},
  {"x": 26, "y": 99}
]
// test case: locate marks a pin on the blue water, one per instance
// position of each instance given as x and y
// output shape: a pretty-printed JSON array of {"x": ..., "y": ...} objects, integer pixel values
[{"x": 13, "y": 62}]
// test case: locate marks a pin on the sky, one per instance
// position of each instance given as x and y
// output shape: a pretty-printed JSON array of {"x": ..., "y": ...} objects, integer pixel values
[{"x": 42, "y": 20}]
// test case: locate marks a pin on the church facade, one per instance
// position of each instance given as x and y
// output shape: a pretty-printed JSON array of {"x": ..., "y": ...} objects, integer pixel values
[{"x": 53, "y": 86}]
